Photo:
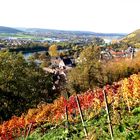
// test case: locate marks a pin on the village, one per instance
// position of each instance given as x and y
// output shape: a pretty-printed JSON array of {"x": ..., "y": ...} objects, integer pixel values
[
  {"x": 67, "y": 59},
  {"x": 60, "y": 66}
]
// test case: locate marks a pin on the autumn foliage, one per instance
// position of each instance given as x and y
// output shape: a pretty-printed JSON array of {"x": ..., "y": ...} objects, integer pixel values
[{"x": 91, "y": 102}]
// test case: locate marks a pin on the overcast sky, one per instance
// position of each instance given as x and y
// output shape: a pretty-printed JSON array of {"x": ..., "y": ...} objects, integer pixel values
[{"x": 121, "y": 16}]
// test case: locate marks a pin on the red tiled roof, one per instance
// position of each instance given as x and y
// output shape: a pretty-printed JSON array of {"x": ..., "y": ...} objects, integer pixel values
[{"x": 117, "y": 53}]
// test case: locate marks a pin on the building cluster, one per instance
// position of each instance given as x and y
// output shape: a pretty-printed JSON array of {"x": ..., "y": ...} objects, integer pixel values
[
  {"x": 13, "y": 42},
  {"x": 108, "y": 54}
]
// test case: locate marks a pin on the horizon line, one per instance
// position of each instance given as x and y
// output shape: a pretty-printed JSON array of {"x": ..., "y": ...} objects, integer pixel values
[{"x": 69, "y": 30}]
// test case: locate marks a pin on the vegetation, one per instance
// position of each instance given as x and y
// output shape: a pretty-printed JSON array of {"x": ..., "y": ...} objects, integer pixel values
[
  {"x": 48, "y": 120},
  {"x": 87, "y": 71},
  {"x": 53, "y": 50},
  {"x": 133, "y": 39},
  {"x": 128, "y": 129},
  {"x": 94, "y": 73},
  {"x": 22, "y": 84}
]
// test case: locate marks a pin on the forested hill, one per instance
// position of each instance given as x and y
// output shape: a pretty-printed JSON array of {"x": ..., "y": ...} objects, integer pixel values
[
  {"x": 133, "y": 39},
  {"x": 4, "y": 29}
]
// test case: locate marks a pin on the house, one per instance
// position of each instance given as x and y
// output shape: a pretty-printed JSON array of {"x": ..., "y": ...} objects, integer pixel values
[
  {"x": 65, "y": 63},
  {"x": 105, "y": 55},
  {"x": 62, "y": 63},
  {"x": 118, "y": 54}
]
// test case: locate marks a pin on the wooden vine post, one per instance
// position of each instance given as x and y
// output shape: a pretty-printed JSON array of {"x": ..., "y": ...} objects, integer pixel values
[
  {"x": 29, "y": 130},
  {"x": 108, "y": 115},
  {"x": 81, "y": 115},
  {"x": 66, "y": 96},
  {"x": 67, "y": 121},
  {"x": 76, "y": 88}
]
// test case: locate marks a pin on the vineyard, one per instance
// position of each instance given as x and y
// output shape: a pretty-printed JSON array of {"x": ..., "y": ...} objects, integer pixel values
[{"x": 111, "y": 112}]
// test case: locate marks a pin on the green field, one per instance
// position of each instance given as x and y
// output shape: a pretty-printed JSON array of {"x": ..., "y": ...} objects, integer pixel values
[{"x": 20, "y": 36}]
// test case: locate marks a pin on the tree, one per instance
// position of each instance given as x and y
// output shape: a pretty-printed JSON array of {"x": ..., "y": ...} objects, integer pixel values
[
  {"x": 45, "y": 58},
  {"x": 97, "y": 41},
  {"x": 42, "y": 56},
  {"x": 45, "y": 63},
  {"x": 36, "y": 55},
  {"x": 23, "y": 81},
  {"x": 53, "y": 50},
  {"x": 88, "y": 72},
  {"x": 46, "y": 44}
]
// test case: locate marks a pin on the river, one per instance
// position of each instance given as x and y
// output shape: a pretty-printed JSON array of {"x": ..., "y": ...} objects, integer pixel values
[{"x": 28, "y": 54}]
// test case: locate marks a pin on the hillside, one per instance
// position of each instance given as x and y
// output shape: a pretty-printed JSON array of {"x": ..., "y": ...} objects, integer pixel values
[
  {"x": 133, "y": 39},
  {"x": 54, "y": 32},
  {"x": 8, "y": 30},
  {"x": 49, "y": 121}
]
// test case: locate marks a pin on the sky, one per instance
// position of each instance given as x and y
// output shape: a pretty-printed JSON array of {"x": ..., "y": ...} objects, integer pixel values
[{"x": 106, "y": 16}]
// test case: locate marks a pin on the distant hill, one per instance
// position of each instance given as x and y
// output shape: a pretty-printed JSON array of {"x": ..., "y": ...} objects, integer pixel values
[
  {"x": 9, "y": 30},
  {"x": 133, "y": 39},
  {"x": 67, "y": 32}
]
